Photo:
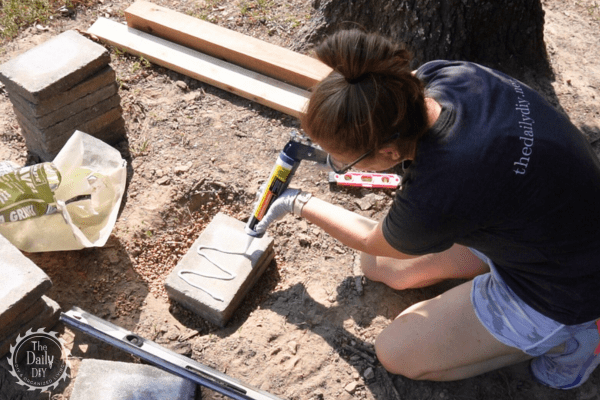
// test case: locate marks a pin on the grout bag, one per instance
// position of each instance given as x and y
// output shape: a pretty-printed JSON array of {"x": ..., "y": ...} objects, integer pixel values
[
  {"x": 68, "y": 204},
  {"x": 27, "y": 192}
]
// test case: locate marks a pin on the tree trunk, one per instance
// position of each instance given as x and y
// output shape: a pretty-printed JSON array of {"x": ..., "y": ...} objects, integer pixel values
[{"x": 507, "y": 35}]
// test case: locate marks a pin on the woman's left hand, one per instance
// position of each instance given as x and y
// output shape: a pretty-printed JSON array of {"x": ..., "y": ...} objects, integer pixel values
[{"x": 283, "y": 204}]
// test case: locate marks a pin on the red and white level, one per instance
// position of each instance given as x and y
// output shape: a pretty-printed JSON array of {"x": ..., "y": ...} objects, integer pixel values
[{"x": 366, "y": 179}]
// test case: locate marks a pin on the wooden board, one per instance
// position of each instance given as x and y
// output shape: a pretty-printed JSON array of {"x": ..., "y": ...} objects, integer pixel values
[
  {"x": 248, "y": 52},
  {"x": 248, "y": 84}
]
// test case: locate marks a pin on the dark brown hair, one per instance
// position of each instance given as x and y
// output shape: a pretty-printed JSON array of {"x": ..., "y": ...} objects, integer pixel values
[{"x": 370, "y": 95}]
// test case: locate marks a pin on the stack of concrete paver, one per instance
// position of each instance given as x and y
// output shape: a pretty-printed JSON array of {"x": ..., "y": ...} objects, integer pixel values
[
  {"x": 60, "y": 86},
  {"x": 213, "y": 277},
  {"x": 23, "y": 305}
]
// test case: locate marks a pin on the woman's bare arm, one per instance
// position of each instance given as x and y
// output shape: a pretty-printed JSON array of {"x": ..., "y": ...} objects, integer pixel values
[{"x": 350, "y": 228}]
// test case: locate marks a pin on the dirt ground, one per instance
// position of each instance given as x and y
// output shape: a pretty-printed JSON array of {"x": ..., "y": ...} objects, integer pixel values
[{"x": 307, "y": 329}]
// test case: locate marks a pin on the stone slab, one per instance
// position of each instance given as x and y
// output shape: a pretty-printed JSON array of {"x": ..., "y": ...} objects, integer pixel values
[
  {"x": 47, "y": 318},
  {"x": 23, "y": 283},
  {"x": 225, "y": 233},
  {"x": 54, "y": 66},
  {"x": 114, "y": 380},
  {"x": 68, "y": 110},
  {"x": 105, "y": 77},
  {"x": 9, "y": 389},
  {"x": 112, "y": 133},
  {"x": 87, "y": 114},
  {"x": 47, "y": 144},
  {"x": 37, "y": 307},
  {"x": 31, "y": 140},
  {"x": 50, "y": 138}
]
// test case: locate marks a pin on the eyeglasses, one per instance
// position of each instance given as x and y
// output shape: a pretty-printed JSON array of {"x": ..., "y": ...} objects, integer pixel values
[{"x": 341, "y": 168}]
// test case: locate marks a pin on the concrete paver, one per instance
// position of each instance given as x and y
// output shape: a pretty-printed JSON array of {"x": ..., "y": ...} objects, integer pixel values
[
  {"x": 54, "y": 66},
  {"x": 23, "y": 282},
  {"x": 103, "y": 78},
  {"x": 68, "y": 124},
  {"x": 68, "y": 110},
  {"x": 28, "y": 314},
  {"x": 224, "y": 233},
  {"x": 108, "y": 127},
  {"x": 112, "y": 380},
  {"x": 47, "y": 318}
]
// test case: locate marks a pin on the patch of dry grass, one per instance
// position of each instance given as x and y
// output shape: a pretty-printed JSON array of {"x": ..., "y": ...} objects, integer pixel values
[{"x": 19, "y": 14}]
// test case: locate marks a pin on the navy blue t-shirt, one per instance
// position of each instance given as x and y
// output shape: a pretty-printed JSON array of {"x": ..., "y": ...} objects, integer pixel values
[{"x": 505, "y": 173}]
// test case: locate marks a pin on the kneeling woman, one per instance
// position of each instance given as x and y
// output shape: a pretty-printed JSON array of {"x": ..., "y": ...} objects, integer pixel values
[{"x": 501, "y": 188}]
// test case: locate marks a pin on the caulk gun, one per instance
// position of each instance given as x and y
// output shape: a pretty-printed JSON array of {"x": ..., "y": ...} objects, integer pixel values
[{"x": 297, "y": 149}]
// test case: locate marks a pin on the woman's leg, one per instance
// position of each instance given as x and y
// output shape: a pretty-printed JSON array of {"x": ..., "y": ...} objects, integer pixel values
[
  {"x": 442, "y": 339},
  {"x": 456, "y": 262}
]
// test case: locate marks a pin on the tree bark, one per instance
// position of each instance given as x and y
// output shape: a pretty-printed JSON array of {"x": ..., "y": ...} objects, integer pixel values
[{"x": 507, "y": 35}]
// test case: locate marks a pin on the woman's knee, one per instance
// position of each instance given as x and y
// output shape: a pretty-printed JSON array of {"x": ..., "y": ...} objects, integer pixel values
[{"x": 399, "y": 355}]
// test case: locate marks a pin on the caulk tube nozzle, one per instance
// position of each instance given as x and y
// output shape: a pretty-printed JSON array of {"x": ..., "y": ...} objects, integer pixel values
[{"x": 277, "y": 183}]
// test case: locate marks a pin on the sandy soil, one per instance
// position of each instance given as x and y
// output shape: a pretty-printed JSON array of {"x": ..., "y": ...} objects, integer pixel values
[{"x": 307, "y": 329}]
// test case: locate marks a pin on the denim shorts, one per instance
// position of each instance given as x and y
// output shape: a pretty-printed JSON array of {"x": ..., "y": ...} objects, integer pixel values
[{"x": 510, "y": 320}]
